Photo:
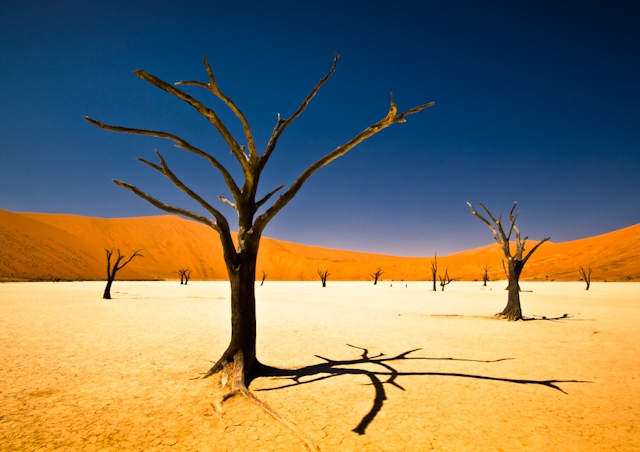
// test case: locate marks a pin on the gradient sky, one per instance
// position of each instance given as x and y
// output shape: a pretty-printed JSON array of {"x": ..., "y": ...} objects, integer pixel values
[{"x": 535, "y": 102}]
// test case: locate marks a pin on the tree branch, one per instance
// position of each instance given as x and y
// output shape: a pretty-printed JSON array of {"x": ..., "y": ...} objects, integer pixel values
[
  {"x": 282, "y": 124},
  {"x": 166, "y": 171},
  {"x": 285, "y": 198},
  {"x": 135, "y": 254},
  {"x": 475, "y": 213},
  {"x": 204, "y": 111},
  {"x": 535, "y": 248},
  {"x": 221, "y": 228},
  {"x": 180, "y": 143},
  {"x": 268, "y": 196},
  {"x": 213, "y": 87},
  {"x": 226, "y": 201}
]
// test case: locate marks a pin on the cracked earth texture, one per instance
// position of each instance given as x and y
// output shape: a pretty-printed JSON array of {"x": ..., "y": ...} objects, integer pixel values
[{"x": 85, "y": 374}]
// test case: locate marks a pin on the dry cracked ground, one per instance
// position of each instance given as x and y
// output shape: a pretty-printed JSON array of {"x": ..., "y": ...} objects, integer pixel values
[{"x": 85, "y": 374}]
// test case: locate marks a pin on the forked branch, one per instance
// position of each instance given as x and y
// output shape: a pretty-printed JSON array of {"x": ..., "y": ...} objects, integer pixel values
[
  {"x": 164, "y": 169},
  {"x": 203, "y": 110},
  {"x": 180, "y": 143},
  {"x": 222, "y": 227},
  {"x": 213, "y": 87},
  {"x": 285, "y": 198},
  {"x": 282, "y": 124}
]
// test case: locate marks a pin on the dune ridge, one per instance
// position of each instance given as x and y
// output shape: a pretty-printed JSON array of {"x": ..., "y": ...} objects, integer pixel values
[{"x": 37, "y": 246}]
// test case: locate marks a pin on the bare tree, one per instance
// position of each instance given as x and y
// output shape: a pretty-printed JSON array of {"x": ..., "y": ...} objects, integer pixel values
[
  {"x": 264, "y": 276},
  {"x": 376, "y": 275},
  {"x": 586, "y": 276},
  {"x": 324, "y": 274},
  {"x": 112, "y": 270},
  {"x": 485, "y": 275},
  {"x": 185, "y": 275},
  {"x": 434, "y": 270},
  {"x": 254, "y": 213},
  {"x": 444, "y": 280},
  {"x": 515, "y": 262}
]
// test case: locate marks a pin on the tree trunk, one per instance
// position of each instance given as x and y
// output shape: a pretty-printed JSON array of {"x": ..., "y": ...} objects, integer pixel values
[
  {"x": 107, "y": 290},
  {"x": 242, "y": 279},
  {"x": 243, "y": 311},
  {"x": 513, "y": 310}
]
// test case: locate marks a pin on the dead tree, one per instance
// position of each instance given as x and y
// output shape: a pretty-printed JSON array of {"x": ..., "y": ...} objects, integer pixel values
[
  {"x": 586, "y": 276},
  {"x": 112, "y": 270},
  {"x": 324, "y": 274},
  {"x": 185, "y": 275},
  {"x": 434, "y": 270},
  {"x": 444, "y": 280},
  {"x": 240, "y": 257},
  {"x": 515, "y": 262},
  {"x": 264, "y": 276},
  {"x": 376, "y": 275},
  {"x": 485, "y": 275}
]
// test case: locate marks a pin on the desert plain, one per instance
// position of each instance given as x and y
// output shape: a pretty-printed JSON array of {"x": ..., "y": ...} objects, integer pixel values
[{"x": 82, "y": 373}]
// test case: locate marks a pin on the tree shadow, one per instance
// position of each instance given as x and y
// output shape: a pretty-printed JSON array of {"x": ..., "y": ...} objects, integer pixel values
[
  {"x": 387, "y": 375},
  {"x": 553, "y": 319}
]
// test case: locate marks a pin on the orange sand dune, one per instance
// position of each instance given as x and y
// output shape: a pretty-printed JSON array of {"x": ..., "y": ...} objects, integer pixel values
[{"x": 36, "y": 246}]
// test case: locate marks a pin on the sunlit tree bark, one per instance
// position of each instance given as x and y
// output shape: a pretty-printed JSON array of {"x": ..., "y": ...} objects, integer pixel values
[{"x": 515, "y": 261}]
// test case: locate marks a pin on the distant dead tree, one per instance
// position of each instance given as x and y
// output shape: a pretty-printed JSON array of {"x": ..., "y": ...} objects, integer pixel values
[
  {"x": 240, "y": 255},
  {"x": 264, "y": 276},
  {"x": 485, "y": 275},
  {"x": 112, "y": 270},
  {"x": 376, "y": 275},
  {"x": 434, "y": 270},
  {"x": 515, "y": 262},
  {"x": 185, "y": 275},
  {"x": 324, "y": 274},
  {"x": 444, "y": 280},
  {"x": 586, "y": 276}
]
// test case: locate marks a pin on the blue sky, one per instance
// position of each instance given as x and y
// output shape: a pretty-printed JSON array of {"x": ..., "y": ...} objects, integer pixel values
[{"x": 535, "y": 102}]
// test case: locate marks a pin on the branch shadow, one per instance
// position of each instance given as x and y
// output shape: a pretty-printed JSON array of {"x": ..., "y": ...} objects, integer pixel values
[
  {"x": 553, "y": 319},
  {"x": 388, "y": 375}
]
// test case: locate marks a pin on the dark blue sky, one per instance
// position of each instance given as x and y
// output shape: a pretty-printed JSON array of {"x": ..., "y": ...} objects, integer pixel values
[{"x": 535, "y": 101}]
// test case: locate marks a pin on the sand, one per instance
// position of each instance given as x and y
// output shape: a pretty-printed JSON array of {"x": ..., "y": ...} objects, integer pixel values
[
  {"x": 39, "y": 247},
  {"x": 81, "y": 373}
]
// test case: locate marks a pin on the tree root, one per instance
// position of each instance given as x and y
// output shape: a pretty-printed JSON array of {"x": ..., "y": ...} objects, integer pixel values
[
  {"x": 510, "y": 317},
  {"x": 238, "y": 386}
]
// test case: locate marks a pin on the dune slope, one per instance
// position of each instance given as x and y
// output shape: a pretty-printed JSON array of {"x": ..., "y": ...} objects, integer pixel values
[{"x": 35, "y": 246}]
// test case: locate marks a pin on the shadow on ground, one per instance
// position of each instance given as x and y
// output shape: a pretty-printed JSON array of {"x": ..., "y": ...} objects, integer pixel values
[{"x": 387, "y": 375}]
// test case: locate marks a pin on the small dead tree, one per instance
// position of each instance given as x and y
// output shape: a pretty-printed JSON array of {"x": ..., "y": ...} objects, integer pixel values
[
  {"x": 324, "y": 274},
  {"x": 485, "y": 275},
  {"x": 376, "y": 275},
  {"x": 444, "y": 280},
  {"x": 264, "y": 276},
  {"x": 185, "y": 275},
  {"x": 434, "y": 270},
  {"x": 112, "y": 270},
  {"x": 586, "y": 276},
  {"x": 253, "y": 212},
  {"x": 515, "y": 262}
]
